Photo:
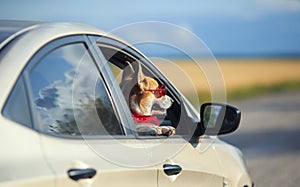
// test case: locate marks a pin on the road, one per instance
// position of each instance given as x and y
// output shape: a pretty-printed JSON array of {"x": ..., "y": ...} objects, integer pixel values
[{"x": 269, "y": 136}]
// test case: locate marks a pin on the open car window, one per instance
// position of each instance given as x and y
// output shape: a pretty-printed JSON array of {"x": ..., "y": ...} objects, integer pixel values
[{"x": 122, "y": 63}]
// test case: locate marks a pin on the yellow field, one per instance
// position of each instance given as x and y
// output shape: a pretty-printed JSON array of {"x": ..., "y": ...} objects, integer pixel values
[
  {"x": 236, "y": 73},
  {"x": 264, "y": 72}
]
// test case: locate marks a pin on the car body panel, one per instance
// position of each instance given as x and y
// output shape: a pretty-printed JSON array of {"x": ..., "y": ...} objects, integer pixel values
[
  {"x": 22, "y": 159},
  {"x": 237, "y": 173}
]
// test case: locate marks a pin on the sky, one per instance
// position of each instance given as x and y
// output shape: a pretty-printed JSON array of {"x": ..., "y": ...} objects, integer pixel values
[{"x": 227, "y": 27}]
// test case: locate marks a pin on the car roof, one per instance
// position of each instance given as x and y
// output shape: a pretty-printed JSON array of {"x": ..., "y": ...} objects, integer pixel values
[{"x": 11, "y": 27}]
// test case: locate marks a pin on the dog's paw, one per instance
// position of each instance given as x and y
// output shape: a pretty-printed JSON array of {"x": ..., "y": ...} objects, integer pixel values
[
  {"x": 155, "y": 130},
  {"x": 165, "y": 130},
  {"x": 146, "y": 129}
]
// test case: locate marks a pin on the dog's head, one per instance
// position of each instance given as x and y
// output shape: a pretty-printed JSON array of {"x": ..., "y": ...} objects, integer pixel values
[
  {"x": 147, "y": 97},
  {"x": 149, "y": 84}
]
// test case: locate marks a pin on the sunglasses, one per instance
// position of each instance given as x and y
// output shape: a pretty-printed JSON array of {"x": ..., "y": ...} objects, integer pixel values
[{"x": 160, "y": 91}]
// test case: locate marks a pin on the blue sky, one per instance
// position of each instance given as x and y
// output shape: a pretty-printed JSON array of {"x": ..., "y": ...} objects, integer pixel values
[{"x": 228, "y": 27}]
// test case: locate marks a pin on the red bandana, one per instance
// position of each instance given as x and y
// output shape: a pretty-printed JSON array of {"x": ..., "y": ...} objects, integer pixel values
[{"x": 151, "y": 120}]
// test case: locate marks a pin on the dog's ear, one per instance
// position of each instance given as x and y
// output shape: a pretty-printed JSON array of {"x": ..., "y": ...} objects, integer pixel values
[
  {"x": 127, "y": 81},
  {"x": 127, "y": 73},
  {"x": 142, "y": 85},
  {"x": 132, "y": 74},
  {"x": 140, "y": 75}
]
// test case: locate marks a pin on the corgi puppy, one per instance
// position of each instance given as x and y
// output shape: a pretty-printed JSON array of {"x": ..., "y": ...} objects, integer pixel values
[
  {"x": 145, "y": 99},
  {"x": 143, "y": 96}
]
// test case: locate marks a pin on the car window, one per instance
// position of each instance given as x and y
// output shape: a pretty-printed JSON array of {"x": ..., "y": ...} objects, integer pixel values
[
  {"x": 69, "y": 95},
  {"x": 121, "y": 62},
  {"x": 17, "y": 108}
]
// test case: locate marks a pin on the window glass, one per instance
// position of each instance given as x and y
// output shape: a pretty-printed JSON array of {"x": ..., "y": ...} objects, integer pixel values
[
  {"x": 70, "y": 97},
  {"x": 16, "y": 107}
]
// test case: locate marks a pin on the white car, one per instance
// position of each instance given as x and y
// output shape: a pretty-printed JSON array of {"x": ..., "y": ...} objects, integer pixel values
[{"x": 65, "y": 121}]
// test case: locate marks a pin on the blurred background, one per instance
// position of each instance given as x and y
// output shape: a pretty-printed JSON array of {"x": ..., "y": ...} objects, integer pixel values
[{"x": 256, "y": 44}]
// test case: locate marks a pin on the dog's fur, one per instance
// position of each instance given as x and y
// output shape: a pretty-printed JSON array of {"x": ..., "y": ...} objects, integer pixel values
[{"x": 141, "y": 102}]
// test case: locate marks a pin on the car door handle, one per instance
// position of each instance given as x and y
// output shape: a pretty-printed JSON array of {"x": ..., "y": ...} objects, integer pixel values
[
  {"x": 171, "y": 169},
  {"x": 77, "y": 174}
]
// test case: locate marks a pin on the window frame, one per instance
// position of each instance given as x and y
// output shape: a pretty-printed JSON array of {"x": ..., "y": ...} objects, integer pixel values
[
  {"x": 150, "y": 66},
  {"x": 46, "y": 49}
]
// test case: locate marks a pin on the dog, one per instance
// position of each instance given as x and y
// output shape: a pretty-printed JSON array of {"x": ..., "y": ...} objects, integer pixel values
[
  {"x": 143, "y": 96},
  {"x": 146, "y": 100}
]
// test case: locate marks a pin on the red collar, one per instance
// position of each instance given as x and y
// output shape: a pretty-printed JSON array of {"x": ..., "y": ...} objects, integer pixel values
[{"x": 151, "y": 120}]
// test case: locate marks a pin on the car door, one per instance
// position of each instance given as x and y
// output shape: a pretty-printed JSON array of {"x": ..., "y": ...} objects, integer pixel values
[
  {"x": 178, "y": 161},
  {"x": 85, "y": 134},
  {"x": 192, "y": 167}
]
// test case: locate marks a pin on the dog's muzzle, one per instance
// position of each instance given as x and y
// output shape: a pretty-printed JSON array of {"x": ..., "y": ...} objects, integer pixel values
[{"x": 166, "y": 102}]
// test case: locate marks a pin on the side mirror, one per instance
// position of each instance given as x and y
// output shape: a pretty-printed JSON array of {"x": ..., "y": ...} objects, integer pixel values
[{"x": 218, "y": 118}]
